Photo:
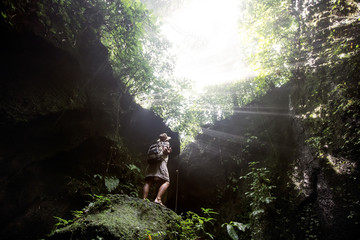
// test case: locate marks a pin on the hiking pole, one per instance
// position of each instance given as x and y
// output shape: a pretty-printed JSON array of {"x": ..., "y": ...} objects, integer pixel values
[{"x": 177, "y": 188}]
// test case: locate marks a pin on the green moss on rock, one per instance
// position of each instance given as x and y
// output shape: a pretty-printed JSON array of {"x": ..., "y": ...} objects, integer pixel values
[{"x": 119, "y": 217}]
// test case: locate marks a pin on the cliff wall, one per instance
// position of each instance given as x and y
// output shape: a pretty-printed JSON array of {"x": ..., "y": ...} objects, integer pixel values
[
  {"x": 304, "y": 136},
  {"x": 67, "y": 129}
]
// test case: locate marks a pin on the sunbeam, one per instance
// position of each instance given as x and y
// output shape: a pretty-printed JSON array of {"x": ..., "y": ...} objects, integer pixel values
[{"x": 206, "y": 42}]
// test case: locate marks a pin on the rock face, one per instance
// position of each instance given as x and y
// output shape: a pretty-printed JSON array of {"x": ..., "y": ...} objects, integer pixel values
[
  {"x": 306, "y": 133},
  {"x": 211, "y": 167},
  {"x": 120, "y": 217},
  {"x": 67, "y": 129},
  {"x": 326, "y": 104}
]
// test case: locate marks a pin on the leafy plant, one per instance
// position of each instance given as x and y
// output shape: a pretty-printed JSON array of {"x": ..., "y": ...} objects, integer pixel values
[
  {"x": 151, "y": 235},
  {"x": 194, "y": 226},
  {"x": 230, "y": 228},
  {"x": 99, "y": 198},
  {"x": 98, "y": 202},
  {"x": 78, "y": 213},
  {"x": 261, "y": 197},
  {"x": 62, "y": 222}
]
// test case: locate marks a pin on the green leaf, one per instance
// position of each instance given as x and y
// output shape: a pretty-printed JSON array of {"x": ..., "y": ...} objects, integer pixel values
[
  {"x": 231, "y": 231},
  {"x": 3, "y": 15},
  {"x": 257, "y": 212},
  {"x": 242, "y": 227}
]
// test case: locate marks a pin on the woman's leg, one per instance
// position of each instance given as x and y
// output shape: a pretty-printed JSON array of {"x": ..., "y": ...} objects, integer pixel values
[
  {"x": 161, "y": 191},
  {"x": 146, "y": 188}
]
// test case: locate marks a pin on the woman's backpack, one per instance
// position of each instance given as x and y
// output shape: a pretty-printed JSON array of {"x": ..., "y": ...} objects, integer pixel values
[{"x": 155, "y": 153}]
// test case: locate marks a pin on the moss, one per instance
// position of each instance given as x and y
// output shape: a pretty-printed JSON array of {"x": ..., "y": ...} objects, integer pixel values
[{"x": 123, "y": 217}]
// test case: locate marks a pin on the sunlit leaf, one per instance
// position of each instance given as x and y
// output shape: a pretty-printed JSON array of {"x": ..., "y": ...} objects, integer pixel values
[
  {"x": 231, "y": 231},
  {"x": 240, "y": 226}
]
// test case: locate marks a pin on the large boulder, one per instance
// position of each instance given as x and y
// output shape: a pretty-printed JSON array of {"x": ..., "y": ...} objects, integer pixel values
[{"x": 119, "y": 217}]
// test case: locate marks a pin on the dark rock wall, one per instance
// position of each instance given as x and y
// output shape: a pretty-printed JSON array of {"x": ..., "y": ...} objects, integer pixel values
[
  {"x": 66, "y": 129},
  {"x": 326, "y": 104},
  {"x": 306, "y": 133},
  {"x": 211, "y": 167}
]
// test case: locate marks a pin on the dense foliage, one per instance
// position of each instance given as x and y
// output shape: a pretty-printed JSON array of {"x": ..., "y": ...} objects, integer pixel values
[
  {"x": 268, "y": 31},
  {"x": 318, "y": 51},
  {"x": 324, "y": 70},
  {"x": 164, "y": 8},
  {"x": 330, "y": 105},
  {"x": 126, "y": 28},
  {"x": 140, "y": 58}
]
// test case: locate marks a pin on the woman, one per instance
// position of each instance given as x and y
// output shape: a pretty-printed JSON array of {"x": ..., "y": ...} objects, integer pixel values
[{"x": 158, "y": 172}]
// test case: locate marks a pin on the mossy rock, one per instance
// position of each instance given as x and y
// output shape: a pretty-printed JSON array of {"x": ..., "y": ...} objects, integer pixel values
[{"x": 120, "y": 217}]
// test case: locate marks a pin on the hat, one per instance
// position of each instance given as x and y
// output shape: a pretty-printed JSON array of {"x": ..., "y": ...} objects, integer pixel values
[{"x": 163, "y": 137}]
